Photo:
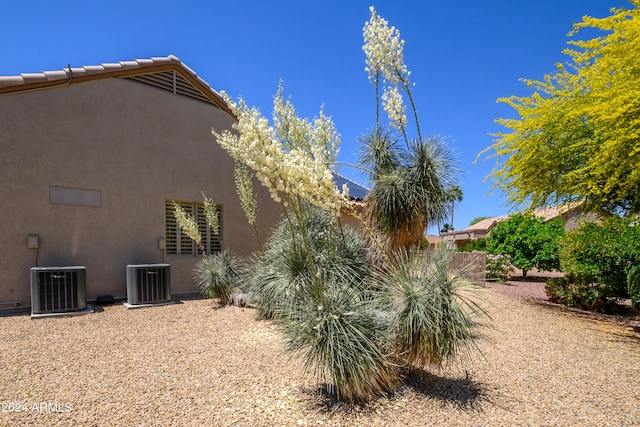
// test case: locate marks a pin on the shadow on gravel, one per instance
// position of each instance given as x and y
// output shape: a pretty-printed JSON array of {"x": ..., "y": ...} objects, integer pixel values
[
  {"x": 323, "y": 400},
  {"x": 462, "y": 392}
]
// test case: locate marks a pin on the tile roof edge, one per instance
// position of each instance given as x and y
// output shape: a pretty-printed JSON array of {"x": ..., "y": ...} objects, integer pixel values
[{"x": 53, "y": 78}]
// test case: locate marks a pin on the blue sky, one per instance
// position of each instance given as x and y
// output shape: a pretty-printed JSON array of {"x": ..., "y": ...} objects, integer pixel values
[{"x": 463, "y": 55}]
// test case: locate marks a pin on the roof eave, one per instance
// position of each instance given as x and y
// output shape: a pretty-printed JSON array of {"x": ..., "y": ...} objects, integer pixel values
[{"x": 69, "y": 76}]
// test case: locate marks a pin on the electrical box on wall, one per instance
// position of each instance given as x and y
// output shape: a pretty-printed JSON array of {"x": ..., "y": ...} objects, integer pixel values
[{"x": 32, "y": 241}]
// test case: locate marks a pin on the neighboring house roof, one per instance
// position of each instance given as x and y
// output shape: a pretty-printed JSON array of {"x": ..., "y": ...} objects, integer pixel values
[
  {"x": 432, "y": 239},
  {"x": 482, "y": 228},
  {"x": 356, "y": 191},
  {"x": 487, "y": 224},
  {"x": 168, "y": 73},
  {"x": 552, "y": 212}
]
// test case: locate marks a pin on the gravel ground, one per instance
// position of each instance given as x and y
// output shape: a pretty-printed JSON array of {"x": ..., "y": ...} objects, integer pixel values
[{"x": 196, "y": 364}]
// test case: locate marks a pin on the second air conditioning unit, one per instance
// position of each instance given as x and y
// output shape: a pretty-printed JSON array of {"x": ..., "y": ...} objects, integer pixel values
[{"x": 148, "y": 283}]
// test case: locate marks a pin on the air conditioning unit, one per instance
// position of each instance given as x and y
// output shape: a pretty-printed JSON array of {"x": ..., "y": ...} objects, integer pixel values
[
  {"x": 58, "y": 289},
  {"x": 148, "y": 284}
]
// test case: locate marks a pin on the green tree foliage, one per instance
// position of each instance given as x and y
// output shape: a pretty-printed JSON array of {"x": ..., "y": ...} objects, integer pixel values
[
  {"x": 602, "y": 252},
  {"x": 577, "y": 138},
  {"x": 454, "y": 195},
  {"x": 633, "y": 285},
  {"x": 528, "y": 240},
  {"x": 474, "y": 245}
]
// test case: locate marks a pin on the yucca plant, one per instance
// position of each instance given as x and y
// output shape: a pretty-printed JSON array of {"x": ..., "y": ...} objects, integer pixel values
[
  {"x": 218, "y": 275},
  {"x": 318, "y": 291},
  {"x": 288, "y": 260},
  {"x": 342, "y": 339},
  {"x": 431, "y": 320}
]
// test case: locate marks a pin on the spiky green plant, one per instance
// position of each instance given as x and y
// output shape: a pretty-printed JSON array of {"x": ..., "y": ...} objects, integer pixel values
[
  {"x": 287, "y": 261},
  {"x": 341, "y": 338},
  {"x": 218, "y": 275},
  {"x": 409, "y": 187},
  {"x": 432, "y": 322},
  {"x": 317, "y": 290}
]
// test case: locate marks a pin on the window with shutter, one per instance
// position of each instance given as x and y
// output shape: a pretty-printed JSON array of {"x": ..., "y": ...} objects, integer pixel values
[{"x": 179, "y": 243}]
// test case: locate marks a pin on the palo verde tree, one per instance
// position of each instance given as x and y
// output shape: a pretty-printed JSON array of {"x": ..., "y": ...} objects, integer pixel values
[
  {"x": 528, "y": 240},
  {"x": 577, "y": 137}
]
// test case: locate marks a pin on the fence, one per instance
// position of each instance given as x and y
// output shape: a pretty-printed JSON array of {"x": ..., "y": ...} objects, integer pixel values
[{"x": 472, "y": 265}]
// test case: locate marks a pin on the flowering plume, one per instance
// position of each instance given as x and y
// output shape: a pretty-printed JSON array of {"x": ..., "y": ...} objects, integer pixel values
[
  {"x": 244, "y": 188},
  {"x": 384, "y": 58},
  {"x": 188, "y": 224},
  {"x": 212, "y": 214},
  {"x": 293, "y": 159},
  {"x": 394, "y": 106},
  {"x": 384, "y": 50}
]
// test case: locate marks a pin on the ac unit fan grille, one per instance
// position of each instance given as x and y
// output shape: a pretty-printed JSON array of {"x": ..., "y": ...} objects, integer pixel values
[
  {"x": 58, "y": 290},
  {"x": 148, "y": 284},
  {"x": 151, "y": 284}
]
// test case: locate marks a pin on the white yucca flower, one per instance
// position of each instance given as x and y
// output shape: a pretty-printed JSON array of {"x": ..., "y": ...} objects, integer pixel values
[
  {"x": 384, "y": 51},
  {"x": 393, "y": 104},
  {"x": 244, "y": 188},
  {"x": 187, "y": 223},
  {"x": 293, "y": 158},
  {"x": 212, "y": 214}
]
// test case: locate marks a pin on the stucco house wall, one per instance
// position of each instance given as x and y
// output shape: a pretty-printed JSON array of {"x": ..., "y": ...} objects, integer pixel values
[{"x": 129, "y": 146}]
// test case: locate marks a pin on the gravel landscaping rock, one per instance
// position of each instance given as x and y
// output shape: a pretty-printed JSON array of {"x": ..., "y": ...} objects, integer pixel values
[{"x": 196, "y": 363}]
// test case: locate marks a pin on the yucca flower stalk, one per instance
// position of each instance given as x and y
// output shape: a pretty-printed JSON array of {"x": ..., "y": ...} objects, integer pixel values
[
  {"x": 248, "y": 197},
  {"x": 384, "y": 51},
  {"x": 188, "y": 224},
  {"x": 212, "y": 214},
  {"x": 408, "y": 185},
  {"x": 295, "y": 158}
]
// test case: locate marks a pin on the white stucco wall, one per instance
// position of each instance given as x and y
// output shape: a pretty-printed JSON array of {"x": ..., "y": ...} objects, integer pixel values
[{"x": 138, "y": 146}]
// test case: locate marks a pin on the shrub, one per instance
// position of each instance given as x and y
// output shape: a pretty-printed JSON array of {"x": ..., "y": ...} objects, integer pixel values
[
  {"x": 603, "y": 251},
  {"x": 474, "y": 245},
  {"x": 341, "y": 336},
  {"x": 580, "y": 292},
  {"x": 529, "y": 240},
  {"x": 314, "y": 280},
  {"x": 430, "y": 321},
  {"x": 499, "y": 267},
  {"x": 218, "y": 275},
  {"x": 353, "y": 327},
  {"x": 633, "y": 285}
]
